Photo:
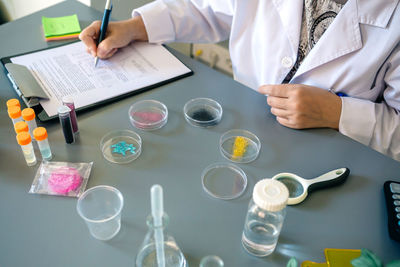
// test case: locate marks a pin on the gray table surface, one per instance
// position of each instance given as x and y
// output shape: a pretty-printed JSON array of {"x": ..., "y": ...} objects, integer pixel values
[{"x": 40, "y": 230}]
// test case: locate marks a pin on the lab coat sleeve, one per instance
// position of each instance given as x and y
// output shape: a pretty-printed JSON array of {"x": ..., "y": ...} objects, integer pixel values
[
  {"x": 187, "y": 20},
  {"x": 377, "y": 124}
]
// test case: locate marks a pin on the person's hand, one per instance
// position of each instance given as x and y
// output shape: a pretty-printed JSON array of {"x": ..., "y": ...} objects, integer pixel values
[
  {"x": 119, "y": 34},
  {"x": 301, "y": 106}
]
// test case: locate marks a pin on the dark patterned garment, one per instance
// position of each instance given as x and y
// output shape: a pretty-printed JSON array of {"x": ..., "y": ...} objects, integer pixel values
[{"x": 317, "y": 16}]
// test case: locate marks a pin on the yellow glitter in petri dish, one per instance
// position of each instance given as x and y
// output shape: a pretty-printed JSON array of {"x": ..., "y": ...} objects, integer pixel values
[{"x": 239, "y": 147}]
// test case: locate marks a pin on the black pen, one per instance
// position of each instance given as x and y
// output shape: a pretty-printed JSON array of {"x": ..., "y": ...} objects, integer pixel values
[{"x": 104, "y": 24}]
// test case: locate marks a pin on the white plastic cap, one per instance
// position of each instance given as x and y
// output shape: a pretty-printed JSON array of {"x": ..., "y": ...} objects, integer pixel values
[
  {"x": 67, "y": 100},
  {"x": 270, "y": 195}
]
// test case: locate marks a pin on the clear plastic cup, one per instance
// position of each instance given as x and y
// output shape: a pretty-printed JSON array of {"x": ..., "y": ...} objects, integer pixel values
[{"x": 100, "y": 207}]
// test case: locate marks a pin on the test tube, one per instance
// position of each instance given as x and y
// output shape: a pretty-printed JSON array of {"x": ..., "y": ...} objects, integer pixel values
[
  {"x": 69, "y": 102},
  {"x": 25, "y": 141},
  {"x": 65, "y": 120},
  {"x": 13, "y": 102},
  {"x": 40, "y": 135},
  {"x": 21, "y": 126},
  {"x": 14, "y": 112},
  {"x": 28, "y": 115}
]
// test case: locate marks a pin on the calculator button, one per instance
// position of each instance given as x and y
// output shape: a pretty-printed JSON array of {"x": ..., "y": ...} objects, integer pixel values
[
  {"x": 396, "y": 196},
  {"x": 397, "y": 209},
  {"x": 395, "y": 188},
  {"x": 396, "y": 202}
]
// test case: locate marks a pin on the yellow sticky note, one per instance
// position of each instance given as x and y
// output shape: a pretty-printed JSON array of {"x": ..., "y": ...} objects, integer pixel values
[{"x": 61, "y": 25}]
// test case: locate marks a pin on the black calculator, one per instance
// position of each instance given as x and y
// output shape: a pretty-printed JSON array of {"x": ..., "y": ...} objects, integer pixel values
[{"x": 392, "y": 196}]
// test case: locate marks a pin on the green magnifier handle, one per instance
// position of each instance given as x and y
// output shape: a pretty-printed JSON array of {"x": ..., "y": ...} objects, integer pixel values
[{"x": 328, "y": 179}]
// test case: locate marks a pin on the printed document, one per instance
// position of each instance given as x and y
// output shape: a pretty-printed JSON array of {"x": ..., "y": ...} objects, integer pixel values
[{"x": 69, "y": 70}]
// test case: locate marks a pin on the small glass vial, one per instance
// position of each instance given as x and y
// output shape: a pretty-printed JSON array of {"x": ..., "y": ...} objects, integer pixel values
[
  {"x": 28, "y": 115},
  {"x": 25, "y": 141},
  {"x": 13, "y": 102},
  {"x": 265, "y": 215},
  {"x": 69, "y": 102},
  {"x": 14, "y": 112},
  {"x": 65, "y": 121},
  {"x": 20, "y": 127},
  {"x": 40, "y": 135}
]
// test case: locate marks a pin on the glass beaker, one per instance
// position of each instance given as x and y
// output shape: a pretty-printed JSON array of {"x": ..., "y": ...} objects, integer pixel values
[{"x": 147, "y": 255}]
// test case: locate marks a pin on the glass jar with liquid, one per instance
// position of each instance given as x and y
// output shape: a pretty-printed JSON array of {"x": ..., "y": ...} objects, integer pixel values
[{"x": 265, "y": 216}]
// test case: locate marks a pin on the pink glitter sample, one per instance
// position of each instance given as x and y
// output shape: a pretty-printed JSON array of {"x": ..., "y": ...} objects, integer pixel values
[
  {"x": 147, "y": 117},
  {"x": 64, "y": 180}
]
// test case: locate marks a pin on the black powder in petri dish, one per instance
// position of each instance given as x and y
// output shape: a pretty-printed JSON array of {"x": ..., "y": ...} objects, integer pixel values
[{"x": 203, "y": 116}]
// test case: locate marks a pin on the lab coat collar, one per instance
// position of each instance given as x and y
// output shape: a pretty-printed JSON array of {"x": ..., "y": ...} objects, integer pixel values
[
  {"x": 342, "y": 37},
  {"x": 376, "y": 13},
  {"x": 290, "y": 10}
]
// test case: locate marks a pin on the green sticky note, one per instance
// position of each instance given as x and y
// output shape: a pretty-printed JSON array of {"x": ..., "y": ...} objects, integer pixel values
[{"x": 61, "y": 25}]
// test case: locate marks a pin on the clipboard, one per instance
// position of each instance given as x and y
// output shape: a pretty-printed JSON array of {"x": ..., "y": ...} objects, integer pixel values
[{"x": 31, "y": 91}]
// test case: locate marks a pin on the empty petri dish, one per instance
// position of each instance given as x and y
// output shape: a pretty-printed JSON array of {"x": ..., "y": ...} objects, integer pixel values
[
  {"x": 121, "y": 146},
  {"x": 239, "y": 145},
  {"x": 224, "y": 180},
  {"x": 148, "y": 115},
  {"x": 202, "y": 112}
]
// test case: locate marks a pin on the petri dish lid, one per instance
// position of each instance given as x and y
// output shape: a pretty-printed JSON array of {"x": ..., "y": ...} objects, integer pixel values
[
  {"x": 148, "y": 115},
  {"x": 224, "y": 181},
  {"x": 202, "y": 112},
  {"x": 239, "y": 145},
  {"x": 121, "y": 146}
]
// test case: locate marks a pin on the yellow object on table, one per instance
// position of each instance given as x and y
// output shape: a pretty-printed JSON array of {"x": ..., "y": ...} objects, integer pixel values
[
  {"x": 239, "y": 147},
  {"x": 335, "y": 258},
  {"x": 61, "y": 28}
]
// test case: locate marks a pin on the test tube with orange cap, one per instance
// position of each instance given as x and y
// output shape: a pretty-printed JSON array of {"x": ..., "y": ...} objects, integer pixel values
[
  {"x": 28, "y": 115},
  {"x": 25, "y": 141},
  {"x": 14, "y": 112},
  {"x": 21, "y": 126},
  {"x": 40, "y": 135},
  {"x": 13, "y": 102}
]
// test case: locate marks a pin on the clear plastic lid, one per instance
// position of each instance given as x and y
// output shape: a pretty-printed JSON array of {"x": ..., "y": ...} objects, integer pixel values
[
  {"x": 121, "y": 146},
  {"x": 224, "y": 180},
  {"x": 202, "y": 112},
  {"x": 239, "y": 145},
  {"x": 148, "y": 115}
]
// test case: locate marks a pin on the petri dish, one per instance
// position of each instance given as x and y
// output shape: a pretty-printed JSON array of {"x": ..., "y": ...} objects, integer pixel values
[
  {"x": 224, "y": 181},
  {"x": 202, "y": 112},
  {"x": 239, "y": 146},
  {"x": 121, "y": 146},
  {"x": 148, "y": 115}
]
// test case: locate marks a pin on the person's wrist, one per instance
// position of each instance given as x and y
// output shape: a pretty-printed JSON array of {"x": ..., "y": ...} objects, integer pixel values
[{"x": 137, "y": 29}]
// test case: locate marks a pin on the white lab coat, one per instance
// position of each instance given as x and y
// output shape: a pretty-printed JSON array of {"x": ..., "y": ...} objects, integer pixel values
[{"x": 358, "y": 54}]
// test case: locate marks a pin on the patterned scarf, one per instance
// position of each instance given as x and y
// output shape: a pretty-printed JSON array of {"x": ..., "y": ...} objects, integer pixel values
[{"x": 317, "y": 16}]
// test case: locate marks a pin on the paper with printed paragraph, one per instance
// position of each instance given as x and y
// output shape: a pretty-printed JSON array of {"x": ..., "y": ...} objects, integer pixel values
[{"x": 69, "y": 70}]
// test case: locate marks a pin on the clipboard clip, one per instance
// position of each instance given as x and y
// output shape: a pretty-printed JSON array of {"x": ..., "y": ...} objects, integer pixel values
[
  {"x": 14, "y": 85},
  {"x": 25, "y": 84}
]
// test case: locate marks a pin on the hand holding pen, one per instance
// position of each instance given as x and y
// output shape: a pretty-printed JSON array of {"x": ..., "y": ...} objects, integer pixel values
[{"x": 119, "y": 34}]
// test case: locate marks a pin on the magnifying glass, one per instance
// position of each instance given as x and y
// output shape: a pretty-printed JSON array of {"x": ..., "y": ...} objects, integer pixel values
[{"x": 299, "y": 187}]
